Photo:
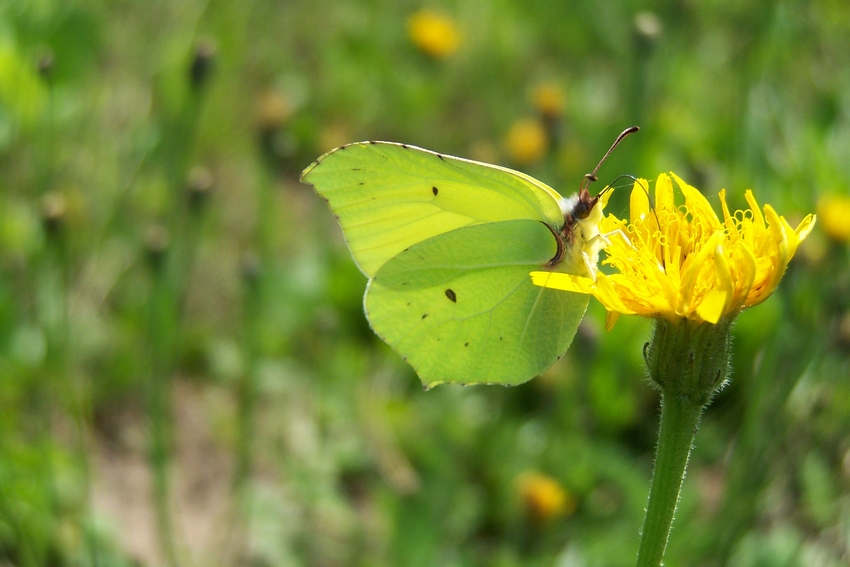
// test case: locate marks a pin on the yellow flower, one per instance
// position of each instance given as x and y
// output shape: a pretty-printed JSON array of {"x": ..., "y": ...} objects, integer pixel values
[
  {"x": 548, "y": 99},
  {"x": 682, "y": 261},
  {"x": 543, "y": 497},
  {"x": 274, "y": 110},
  {"x": 435, "y": 34},
  {"x": 834, "y": 212},
  {"x": 527, "y": 141}
]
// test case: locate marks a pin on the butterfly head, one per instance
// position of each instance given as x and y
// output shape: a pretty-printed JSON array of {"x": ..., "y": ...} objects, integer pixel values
[
  {"x": 583, "y": 208},
  {"x": 584, "y": 205}
]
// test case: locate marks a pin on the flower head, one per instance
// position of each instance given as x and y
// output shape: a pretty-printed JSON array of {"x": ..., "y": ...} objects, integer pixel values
[
  {"x": 433, "y": 33},
  {"x": 683, "y": 261}
]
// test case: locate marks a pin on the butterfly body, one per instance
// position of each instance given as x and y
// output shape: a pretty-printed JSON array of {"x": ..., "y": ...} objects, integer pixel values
[
  {"x": 447, "y": 245},
  {"x": 580, "y": 235}
]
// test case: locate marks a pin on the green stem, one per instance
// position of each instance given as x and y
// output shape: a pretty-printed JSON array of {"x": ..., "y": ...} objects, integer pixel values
[
  {"x": 689, "y": 362},
  {"x": 679, "y": 422}
]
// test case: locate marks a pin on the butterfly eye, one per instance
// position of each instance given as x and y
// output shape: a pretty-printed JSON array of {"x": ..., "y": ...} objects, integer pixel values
[{"x": 581, "y": 210}]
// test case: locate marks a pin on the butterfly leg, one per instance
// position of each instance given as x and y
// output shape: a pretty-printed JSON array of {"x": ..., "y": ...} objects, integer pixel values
[
  {"x": 605, "y": 237},
  {"x": 596, "y": 243},
  {"x": 600, "y": 241},
  {"x": 590, "y": 265}
]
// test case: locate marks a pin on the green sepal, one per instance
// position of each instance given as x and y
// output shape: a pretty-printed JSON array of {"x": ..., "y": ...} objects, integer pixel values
[{"x": 689, "y": 359}]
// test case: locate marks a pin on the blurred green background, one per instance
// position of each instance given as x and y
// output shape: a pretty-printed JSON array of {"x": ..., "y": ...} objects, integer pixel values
[{"x": 187, "y": 374}]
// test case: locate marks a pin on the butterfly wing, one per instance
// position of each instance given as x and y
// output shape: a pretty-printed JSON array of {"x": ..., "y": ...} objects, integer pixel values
[
  {"x": 461, "y": 307},
  {"x": 388, "y": 197}
]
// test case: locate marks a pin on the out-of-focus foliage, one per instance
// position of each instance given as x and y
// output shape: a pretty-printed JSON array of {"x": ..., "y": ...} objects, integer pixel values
[{"x": 187, "y": 375}]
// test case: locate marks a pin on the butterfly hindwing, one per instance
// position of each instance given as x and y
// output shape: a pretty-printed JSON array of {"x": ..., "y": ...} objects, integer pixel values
[{"x": 460, "y": 306}]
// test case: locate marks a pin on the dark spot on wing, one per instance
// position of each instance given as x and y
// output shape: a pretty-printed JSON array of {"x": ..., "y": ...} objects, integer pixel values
[
  {"x": 434, "y": 190},
  {"x": 424, "y": 315},
  {"x": 363, "y": 183},
  {"x": 451, "y": 295},
  {"x": 465, "y": 344},
  {"x": 408, "y": 304},
  {"x": 500, "y": 338},
  {"x": 355, "y": 169}
]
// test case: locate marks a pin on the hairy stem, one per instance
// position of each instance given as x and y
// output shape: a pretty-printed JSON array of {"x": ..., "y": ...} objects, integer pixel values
[{"x": 679, "y": 422}]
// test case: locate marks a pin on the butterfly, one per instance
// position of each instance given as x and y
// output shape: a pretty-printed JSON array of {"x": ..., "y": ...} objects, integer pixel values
[{"x": 448, "y": 244}]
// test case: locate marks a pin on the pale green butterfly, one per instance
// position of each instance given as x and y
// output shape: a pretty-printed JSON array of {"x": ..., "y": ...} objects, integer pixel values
[{"x": 448, "y": 244}]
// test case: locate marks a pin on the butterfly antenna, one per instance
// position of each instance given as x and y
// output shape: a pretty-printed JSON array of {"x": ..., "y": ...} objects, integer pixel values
[
  {"x": 642, "y": 186},
  {"x": 612, "y": 185},
  {"x": 591, "y": 177}
]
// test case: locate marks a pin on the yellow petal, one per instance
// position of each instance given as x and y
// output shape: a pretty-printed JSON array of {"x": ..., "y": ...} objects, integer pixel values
[
  {"x": 745, "y": 275},
  {"x": 639, "y": 200},
  {"x": 604, "y": 195},
  {"x": 608, "y": 295},
  {"x": 697, "y": 204},
  {"x": 664, "y": 200},
  {"x": 754, "y": 206},
  {"x": 695, "y": 265},
  {"x": 564, "y": 282},
  {"x": 781, "y": 245},
  {"x": 711, "y": 307},
  {"x": 728, "y": 218},
  {"x": 724, "y": 278},
  {"x": 611, "y": 318},
  {"x": 805, "y": 227}
]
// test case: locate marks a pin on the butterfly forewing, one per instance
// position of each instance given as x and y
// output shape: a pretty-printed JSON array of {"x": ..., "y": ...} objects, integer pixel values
[{"x": 389, "y": 197}]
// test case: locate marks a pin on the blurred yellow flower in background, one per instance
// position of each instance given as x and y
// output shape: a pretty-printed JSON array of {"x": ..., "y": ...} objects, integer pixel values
[
  {"x": 543, "y": 497},
  {"x": 834, "y": 213},
  {"x": 548, "y": 100},
  {"x": 274, "y": 110},
  {"x": 434, "y": 33},
  {"x": 682, "y": 261},
  {"x": 527, "y": 141}
]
